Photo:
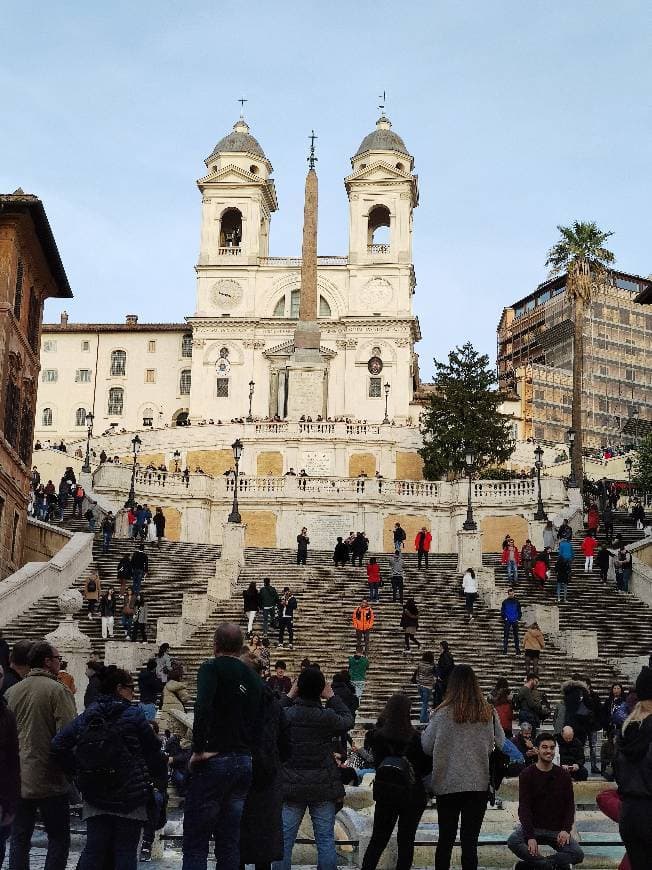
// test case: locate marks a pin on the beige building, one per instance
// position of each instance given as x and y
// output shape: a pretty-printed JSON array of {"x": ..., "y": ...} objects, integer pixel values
[
  {"x": 535, "y": 347},
  {"x": 241, "y": 331}
]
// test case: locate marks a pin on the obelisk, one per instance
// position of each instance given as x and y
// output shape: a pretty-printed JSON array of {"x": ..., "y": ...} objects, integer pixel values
[{"x": 307, "y": 370}]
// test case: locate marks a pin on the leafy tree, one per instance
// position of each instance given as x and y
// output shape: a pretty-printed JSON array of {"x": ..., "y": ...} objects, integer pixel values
[
  {"x": 580, "y": 252},
  {"x": 463, "y": 409},
  {"x": 642, "y": 477}
]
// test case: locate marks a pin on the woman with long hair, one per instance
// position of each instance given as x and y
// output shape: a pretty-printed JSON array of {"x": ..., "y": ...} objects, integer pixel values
[
  {"x": 395, "y": 737},
  {"x": 163, "y": 662},
  {"x": 410, "y": 623},
  {"x": 251, "y": 602},
  {"x": 461, "y": 735}
]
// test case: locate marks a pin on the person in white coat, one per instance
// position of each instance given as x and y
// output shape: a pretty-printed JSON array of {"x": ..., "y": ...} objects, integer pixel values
[{"x": 470, "y": 587}]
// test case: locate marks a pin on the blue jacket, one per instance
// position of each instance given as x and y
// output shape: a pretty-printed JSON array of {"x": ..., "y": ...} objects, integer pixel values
[
  {"x": 510, "y": 610},
  {"x": 565, "y": 549}
]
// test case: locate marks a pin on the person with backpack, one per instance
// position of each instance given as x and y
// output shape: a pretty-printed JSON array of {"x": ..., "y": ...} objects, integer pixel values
[
  {"x": 269, "y": 600},
  {"x": 528, "y": 555},
  {"x": 623, "y": 565},
  {"x": 92, "y": 591},
  {"x": 398, "y": 789},
  {"x": 461, "y": 736},
  {"x": 116, "y": 761}
]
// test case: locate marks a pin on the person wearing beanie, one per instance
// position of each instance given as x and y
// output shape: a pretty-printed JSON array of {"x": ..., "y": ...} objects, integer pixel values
[{"x": 633, "y": 769}]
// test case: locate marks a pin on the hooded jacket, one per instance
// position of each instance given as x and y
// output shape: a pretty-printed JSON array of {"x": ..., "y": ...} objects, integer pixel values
[{"x": 633, "y": 762}]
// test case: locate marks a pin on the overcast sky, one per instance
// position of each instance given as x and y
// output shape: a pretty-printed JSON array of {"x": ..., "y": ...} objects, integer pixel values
[{"x": 520, "y": 116}]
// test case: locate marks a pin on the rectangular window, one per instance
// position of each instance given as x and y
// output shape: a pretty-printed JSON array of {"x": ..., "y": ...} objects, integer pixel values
[
  {"x": 151, "y": 346},
  {"x": 222, "y": 391},
  {"x": 50, "y": 345},
  {"x": 604, "y": 371},
  {"x": 185, "y": 380},
  {"x": 629, "y": 375},
  {"x": 150, "y": 376},
  {"x": 50, "y": 376},
  {"x": 375, "y": 388},
  {"x": 85, "y": 346},
  {"x": 83, "y": 376}
]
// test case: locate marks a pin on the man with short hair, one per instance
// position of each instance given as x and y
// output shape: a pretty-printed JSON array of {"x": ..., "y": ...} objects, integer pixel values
[
  {"x": 511, "y": 613},
  {"x": 18, "y": 667},
  {"x": 42, "y": 707},
  {"x": 524, "y": 742},
  {"x": 546, "y": 812},
  {"x": 363, "y": 621},
  {"x": 531, "y": 703},
  {"x": 269, "y": 599},
  {"x": 226, "y": 728},
  {"x": 399, "y": 536},
  {"x": 287, "y": 606},
  {"x": 358, "y": 667},
  {"x": 279, "y": 682},
  {"x": 422, "y": 542},
  {"x": 139, "y": 568},
  {"x": 108, "y": 530},
  {"x": 311, "y": 779},
  {"x": 571, "y": 755}
]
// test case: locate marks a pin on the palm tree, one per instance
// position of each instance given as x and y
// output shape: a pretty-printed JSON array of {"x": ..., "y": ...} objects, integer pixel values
[{"x": 580, "y": 252}]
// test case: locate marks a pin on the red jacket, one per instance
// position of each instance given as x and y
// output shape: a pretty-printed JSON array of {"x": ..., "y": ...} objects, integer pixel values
[
  {"x": 427, "y": 541},
  {"x": 589, "y": 545},
  {"x": 373, "y": 573},
  {"x": 517, "y": 555},
  {"x": 539, "y": 570}
]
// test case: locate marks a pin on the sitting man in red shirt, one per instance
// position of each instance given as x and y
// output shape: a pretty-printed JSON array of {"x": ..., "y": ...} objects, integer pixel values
[{"x": 546, "y": 811}]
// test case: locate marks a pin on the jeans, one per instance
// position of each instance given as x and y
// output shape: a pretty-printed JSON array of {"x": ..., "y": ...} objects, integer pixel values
[
  {"x": 526, "y": 565},
  {"x": 268, "y": 613},
  {"x": 91, "y": 524},
  {"x": 362, "y": 640},
  {"x": 55, "y": 813},
  {"x": 136, "y": 580},
  {"x": 5, "y": 833},
  {"x": 358, "y": 685},
  {"x": 127, "y": 623},
  {"x": 469, "y": 598},
  {"x": 422, "y": 556},
  {"x": 636, "y": 831},
  {"x": 593, "y": 742},
  {"x": 397, "y": 589},
  {"x": 510, "y": 628},
  {"x": 286, "y": 622},
  {"x": 76, "y": 506},
  {"x": 385, "y": 817},
  {"x": 562, "y": 590},
  {"x": 214, "y": 803},
  {"x": 373, "y": 591},
  {"x": 425, "y": 695},
  {"x": 512, "y": 571},
  {"x": 111, "y": 836},
  {"x": 322, "y": 814},
  {"x": 566, "y": 855},
  {"x": 106, "y": 541},
  {"x": 471, "y": 806}
]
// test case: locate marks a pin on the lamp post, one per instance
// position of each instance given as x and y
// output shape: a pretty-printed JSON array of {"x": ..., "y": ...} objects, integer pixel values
[
  {"x": 135, "y": 443},
  {"x": 86, "y": 467},
  {"x": 251, "y": 397},
  {"x": 538, "y": 456},
  {"x": 469, "y": 524},
  {"x": 628, "y": 466},
  {"x": 234, "y": 516},
  {"x": 387, "y": 389},
  {"x": 572, "y": 483}
]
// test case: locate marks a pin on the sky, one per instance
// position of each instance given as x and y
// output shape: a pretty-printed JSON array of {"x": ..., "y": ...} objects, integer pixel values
[{"x": 520, "y": 116}]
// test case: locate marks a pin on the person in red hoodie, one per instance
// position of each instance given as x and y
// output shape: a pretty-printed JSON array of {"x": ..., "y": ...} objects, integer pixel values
[
  {"x": 589, "y": 545},
  {"x": 422, "y": 543},
  {"x": 593, "y": 519},
  {"x": 373, "y": 578}
]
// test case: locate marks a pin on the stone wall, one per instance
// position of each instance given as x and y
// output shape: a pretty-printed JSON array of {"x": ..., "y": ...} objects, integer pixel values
[
  {"x": 43, "y": 541},
  {"x": 409, "y": 465},
  {"x": 494, "y": 529},
  {"x": 261, "y": 528},
  {"x": 411, "y": 524},
  {"x": 213, "y": 462},
  {"x": 269, "y": 462},
  {"x": 362, "y": 462}
]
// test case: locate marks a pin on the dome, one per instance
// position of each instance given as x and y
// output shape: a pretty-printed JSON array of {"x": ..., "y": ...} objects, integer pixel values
[
  {"x": 382, "y": 139},
  {"x": 239, "y": 140}
]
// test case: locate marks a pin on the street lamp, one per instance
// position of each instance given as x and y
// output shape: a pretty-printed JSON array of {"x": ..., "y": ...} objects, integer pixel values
[
  {"x": 251, "y": 397},
  {"x": 469, "y": 524},
  {"x": 387, "y": 389},
  {"x": 234, "y": 516},
  {"x": 135, "y": 443},
  {"x": 572, "y": 483},
  {"x": 538, "y": 455},
  {"x": 86, "y": 467}
]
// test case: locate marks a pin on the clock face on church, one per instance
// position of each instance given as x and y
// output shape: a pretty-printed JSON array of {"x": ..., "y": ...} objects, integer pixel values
[{"x": 226, "y": 293}]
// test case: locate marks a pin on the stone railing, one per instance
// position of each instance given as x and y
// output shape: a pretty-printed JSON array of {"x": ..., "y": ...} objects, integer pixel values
[
  {"x": 320, "y": 429},
  {"x": 229, "y": 252},
  {"x": 378, "y": 249},
  {"x": 296, "y": 261}
]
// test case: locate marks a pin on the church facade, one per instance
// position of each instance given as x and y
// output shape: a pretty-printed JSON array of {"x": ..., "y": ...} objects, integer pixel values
[{"x": 232, "y": 358}]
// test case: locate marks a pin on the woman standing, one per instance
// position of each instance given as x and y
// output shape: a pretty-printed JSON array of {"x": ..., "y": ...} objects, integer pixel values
[
  {"x": 633, "y": 769},
  {"x": 470, "y": 588},
  {"x": 107, "y": 613},
  {"x": 461, "y": 735},
  {"x": 394, "y": 736},
  {"x": 410, "y": 623},
  {"x": 251, "y": 604},
  {"x": 533, "y": 644},
  {"x": 140, "y": 619},
  {"x": 92, "y": 591},
  {"x": 424, "y": 677},
  {"x": 163, "y": 662},
  {"x": 373, "y": 578}
]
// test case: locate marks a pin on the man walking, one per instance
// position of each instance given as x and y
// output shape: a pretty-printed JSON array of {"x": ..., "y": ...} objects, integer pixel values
[
  {"x": 287, "y": 606},
  {"x": 528, "y": 555},
  {"x": 511, "y": 613},
  {"x": 546, "y": 812},
  {"x": 108, "y": 530},
  {"x": 396, "y": 575},
  {"x": 422, "y": 543},
  {"x": 363, "y": 622},
  {"x": 399, "y": 536},
  {"x": 302, "y": 546},
  {"x": 269, "y": 601},
  {"x": 139, "y": 568},
  {"x": 226, "y": 728},
  {"x": 42, "y": 707}
]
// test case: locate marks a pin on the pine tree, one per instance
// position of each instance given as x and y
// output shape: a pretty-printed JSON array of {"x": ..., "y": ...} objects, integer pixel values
[
  {"x": 643, "y": 468},
  {"x": 463, "y": 410}
]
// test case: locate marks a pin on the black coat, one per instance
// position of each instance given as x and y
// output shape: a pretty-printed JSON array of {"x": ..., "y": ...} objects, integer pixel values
[
  {"x": 421, "y": 762},
  {"x": 149, "y": 686},
  {"x": 341, "y": 553},
  {"x": 92, "y": 690},
  {"x": 310, "y": 773},
  {"x": 571, "y": 753},
  {"x": 633, "y": 763},
  {"x": 346, "y": 691},
  {"x": 251, "y": 600},
  {"x": 261, "y": 828}
]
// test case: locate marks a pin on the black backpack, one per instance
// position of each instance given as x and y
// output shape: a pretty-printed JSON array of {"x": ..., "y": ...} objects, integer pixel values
[
  {"x": 105, "y": 766},
  {"x": 394, "y": 781},
  {"x": 92, "y": 586}
]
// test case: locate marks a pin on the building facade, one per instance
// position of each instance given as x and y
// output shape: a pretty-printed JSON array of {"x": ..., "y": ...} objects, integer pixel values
[
  {"x": 240, "y": 337},
  {"x": 535, "y": 350},
  {"x": 30, "y": 272}
]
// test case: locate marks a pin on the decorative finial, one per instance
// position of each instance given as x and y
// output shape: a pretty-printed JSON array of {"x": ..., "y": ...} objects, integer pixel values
[
  {"x": 312, "y": 159},
  {"x": 382, "y": 99},
  {"x": 242, "y": 102}
]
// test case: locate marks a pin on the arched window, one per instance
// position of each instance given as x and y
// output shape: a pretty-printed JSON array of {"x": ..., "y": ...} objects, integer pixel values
[
  {"x": 378, "y": 226},
  {"x": 46, "y": 417},
  {"x": 80, "y": 417},
  {"x": 279, "y": 310},
  {"x": 184, "y": 382},
  {"x": 116, "y": 401},
  {"x": 231, "y": 228},
  {"x": 118, "y": 363},
  {"x": 148, "y": 417},
  {"x": 324, "y": 307},
  {"x": 186, "y": 344},
  {"x": 288, "y": 306}
]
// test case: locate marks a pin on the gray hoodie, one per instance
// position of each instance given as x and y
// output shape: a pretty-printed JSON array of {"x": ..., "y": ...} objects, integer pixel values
[{"x": 396, "y": 565}]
